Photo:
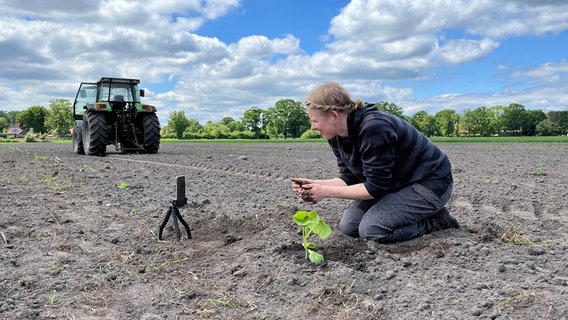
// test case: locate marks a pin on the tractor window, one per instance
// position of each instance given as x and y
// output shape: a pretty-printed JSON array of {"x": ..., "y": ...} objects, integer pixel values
[
  {"x": 136, "y": 94},
  {"x": 86, "y": 95},
  {"x": 116, "y": 92}
]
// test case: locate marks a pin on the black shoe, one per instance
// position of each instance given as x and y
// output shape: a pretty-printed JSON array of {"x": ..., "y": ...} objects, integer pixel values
[{"x": 443, "y": 220}]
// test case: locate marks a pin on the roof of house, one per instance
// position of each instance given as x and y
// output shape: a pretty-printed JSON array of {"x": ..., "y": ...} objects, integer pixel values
[{"x": 13, "y": 130}]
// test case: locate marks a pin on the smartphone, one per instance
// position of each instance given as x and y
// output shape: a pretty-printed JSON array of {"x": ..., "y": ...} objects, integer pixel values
[{"x": 300, "y": 182}]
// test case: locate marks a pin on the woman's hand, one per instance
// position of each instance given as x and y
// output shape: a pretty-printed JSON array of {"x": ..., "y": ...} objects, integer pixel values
[
  {"x": 302, "y": 188},
  {"x": 313, "y": 191}
]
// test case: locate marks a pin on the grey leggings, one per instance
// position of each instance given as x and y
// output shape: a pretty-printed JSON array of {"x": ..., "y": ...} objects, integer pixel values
[{"x": 398, "y": 216}]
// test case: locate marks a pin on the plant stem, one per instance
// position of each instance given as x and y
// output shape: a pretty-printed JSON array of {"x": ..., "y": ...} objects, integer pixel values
[
  {"x": 306, "y": 231},
  {"x": 305, "y": 240}
]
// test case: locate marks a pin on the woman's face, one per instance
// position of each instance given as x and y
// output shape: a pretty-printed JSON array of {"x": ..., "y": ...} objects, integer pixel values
[{"x": 323, "y": 123}]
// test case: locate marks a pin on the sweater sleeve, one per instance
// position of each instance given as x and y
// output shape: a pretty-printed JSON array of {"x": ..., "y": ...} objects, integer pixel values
[{"x": 378, "y": 156}]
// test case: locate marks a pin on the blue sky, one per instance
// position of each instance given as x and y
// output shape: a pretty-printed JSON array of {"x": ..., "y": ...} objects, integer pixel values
[
  {"x": 306, "y": 20},
  {"x": 219, "y": 58}
]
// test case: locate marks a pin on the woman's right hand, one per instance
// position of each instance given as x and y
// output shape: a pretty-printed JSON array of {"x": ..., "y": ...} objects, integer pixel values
[{"x": 297, "y": 186}]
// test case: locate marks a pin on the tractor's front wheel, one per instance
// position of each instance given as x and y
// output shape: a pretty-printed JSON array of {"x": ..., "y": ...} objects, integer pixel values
[
  {"x": 78, "y": 138},
  {"x": 151, "y": 133},
  {"x": 95, "y": 135}
]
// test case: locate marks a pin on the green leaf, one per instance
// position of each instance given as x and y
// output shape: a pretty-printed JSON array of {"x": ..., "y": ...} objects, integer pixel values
[
  {"x": 315, "y": 257},
  {"x": 304, "y": 218},
  {"x": 311, "y": 245},
  {"x": 123, "y": 185},
  {"x": 321, "y": 229}
]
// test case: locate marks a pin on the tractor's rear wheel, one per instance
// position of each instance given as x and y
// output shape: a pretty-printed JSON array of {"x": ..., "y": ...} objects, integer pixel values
[
  {"x": 95, "y": 134},
  {"x": 78, "y": 138},
  {"x": 151, "y": 133}
]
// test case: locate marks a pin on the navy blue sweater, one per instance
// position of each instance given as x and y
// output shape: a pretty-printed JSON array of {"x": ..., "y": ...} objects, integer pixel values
[{"x": 387, "y": 154}]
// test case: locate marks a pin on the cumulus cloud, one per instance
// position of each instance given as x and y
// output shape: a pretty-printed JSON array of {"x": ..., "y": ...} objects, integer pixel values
[
  {"x": 261, "y": 47},
  {"x": 463, "y": 50},
  {"x": 390, "y": 30}
]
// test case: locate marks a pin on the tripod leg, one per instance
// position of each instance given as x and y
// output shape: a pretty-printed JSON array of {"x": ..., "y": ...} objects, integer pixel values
[
  {"x": 184, "y": 224},
  {"x": 175, "y": 217},
  {"x": 164, "y": 223}
]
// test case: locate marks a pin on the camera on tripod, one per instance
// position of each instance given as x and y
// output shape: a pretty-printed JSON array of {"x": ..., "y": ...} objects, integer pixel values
[
  {"x": 173, "y": 211},
  {"x": 180, "y": 199}
]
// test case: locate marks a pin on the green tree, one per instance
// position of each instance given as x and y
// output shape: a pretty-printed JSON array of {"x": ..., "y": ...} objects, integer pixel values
[
  {"x": 271, "y": 129},
  {"x": 215, "y": 130},
  {"x": 193, "y": 129},
  {"x": 425, "y": 123},
  {"x": 60, "y": 116},
  {"x": 3, "y": 121},
  {"x": 287, "y": 119},
  {"x": 178, "y": 122},
  {"x": 466, "y": 121},
  {"x": 447, "y": 122},
  {"x": 167, "y": 133},
  {"x": 232, "y": 124},
  {"x": 33, "y": 117},
  {"x": 496, "y": 118},
  {"x": 3, "y": 124},
  {"x": 418, "y": 120},
  {"x": 560, "y": 117},
  {"x": 253, "y": 120},
  {"x": 548, "y": 127},
  {"x": 12, "y": 116},
  {"x": 429, "y": 126},
  {"x": 390, "y": 108},
  {"x": 534, "y": 117},
  {"x": 515, "y": 118},
  {"x": 477, "y": 122}
]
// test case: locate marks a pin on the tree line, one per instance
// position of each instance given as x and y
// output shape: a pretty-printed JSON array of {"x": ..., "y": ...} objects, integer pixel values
[
  {"x": 289, "y": 119},
  {"x": 58, "y": 118}
]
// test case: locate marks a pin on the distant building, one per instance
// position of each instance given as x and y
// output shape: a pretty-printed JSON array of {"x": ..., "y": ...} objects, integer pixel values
[{"x": 15, "y": 131}]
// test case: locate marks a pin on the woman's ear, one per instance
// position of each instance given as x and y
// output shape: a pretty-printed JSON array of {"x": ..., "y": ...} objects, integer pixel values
[{"x": 335, "y": 115}]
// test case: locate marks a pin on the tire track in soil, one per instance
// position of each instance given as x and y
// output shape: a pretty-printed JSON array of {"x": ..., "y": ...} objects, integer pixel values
[{"x": 206, "y": 168}]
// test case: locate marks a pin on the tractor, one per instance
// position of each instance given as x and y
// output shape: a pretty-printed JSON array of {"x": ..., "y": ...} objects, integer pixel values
[{"x": 110, "y": 112}]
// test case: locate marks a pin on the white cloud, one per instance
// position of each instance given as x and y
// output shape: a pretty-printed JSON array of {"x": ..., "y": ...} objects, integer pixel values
[
  {"x": 216, "y": 8},
  {"x": 462, "y": 50},
  {"x": 554, "y": 72},
  {"x": 254, "y": 47}
]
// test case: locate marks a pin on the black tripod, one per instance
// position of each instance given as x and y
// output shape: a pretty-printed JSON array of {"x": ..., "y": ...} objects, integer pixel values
[
  {"x": 174, "y": 212},
  {"x": 179, "y": 202}
]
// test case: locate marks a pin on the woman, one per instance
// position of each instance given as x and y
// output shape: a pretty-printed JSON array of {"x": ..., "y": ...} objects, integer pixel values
[{"x": 398, "y": 179}]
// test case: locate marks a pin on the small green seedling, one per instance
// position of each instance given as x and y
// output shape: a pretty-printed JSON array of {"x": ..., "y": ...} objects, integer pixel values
[
  {"x": 311, "y": 222},
  {"x": 52, "y": 297},
  {"x": 123, "y": 185}
]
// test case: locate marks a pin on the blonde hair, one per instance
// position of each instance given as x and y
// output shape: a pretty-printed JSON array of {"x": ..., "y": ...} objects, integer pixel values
[{"x": 332, "y": 96}]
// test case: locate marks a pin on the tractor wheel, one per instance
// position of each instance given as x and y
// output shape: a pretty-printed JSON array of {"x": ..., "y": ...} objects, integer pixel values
[
  {"x": 78, "y": 138},
  {"x": 151, "y": 133},
  {"x": 95, "y": 135}
]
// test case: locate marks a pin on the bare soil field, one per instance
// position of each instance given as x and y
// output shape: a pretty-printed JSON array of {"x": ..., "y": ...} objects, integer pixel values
[{"x": 79, "y": 238}]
